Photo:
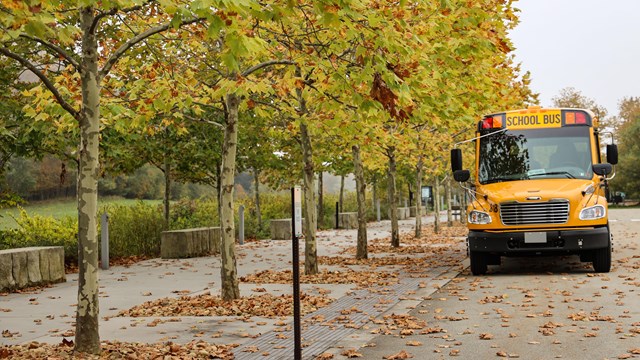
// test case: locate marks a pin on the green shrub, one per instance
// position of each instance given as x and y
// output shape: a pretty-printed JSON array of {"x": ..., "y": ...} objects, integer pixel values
[
  {"x": 134, "y": 230},
  {"x": 350, "y": 204},
  {"x": 39, "y": 230},
  {"x": 186, "y": 214},
  {"x": 275, "y": 205}
]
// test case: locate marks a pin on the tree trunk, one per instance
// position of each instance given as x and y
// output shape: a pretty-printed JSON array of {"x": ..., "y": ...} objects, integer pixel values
[
  {"x": 310, "y": 248},
  {"x": 256, "y": 182},
  {"x": 310, "y": 222},
  {"x": 167, "y": 190},
  {"x": 341, "y": 193},
  {"x": 393, "y": 197},
  {"x": 418, "y": 201},
  {"x": 436, "y": 206},
  {"x": 87, "y": 338},
  {"x": 320, "y": 200},
  {"x": 447, "y": 191},
  {"x": 230, "y": 289},
  {"x": 361, "y": 251}
]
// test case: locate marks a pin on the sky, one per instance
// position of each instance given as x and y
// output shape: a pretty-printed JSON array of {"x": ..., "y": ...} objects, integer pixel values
[{"x": 590, "y": 45}]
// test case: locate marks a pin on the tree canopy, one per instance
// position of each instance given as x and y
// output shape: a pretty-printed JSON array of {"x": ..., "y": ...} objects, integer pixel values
[{"x": 204, "y": 88}]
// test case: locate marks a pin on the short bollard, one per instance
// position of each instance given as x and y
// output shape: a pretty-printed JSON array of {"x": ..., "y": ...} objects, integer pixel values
[
  {"x": 241, "y": 226},
  {"x": 104, "y": 242}
]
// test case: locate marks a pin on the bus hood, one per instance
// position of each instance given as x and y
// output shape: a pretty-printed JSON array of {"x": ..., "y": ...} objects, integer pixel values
[{"x": 535, "y": 190}]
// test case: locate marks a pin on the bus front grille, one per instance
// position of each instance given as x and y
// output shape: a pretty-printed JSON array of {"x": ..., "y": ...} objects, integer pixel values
[{"x": 517, "y": 213}]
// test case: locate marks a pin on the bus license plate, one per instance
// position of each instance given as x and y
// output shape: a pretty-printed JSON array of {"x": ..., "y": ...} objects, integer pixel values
[{"x": 535, "y": 237}]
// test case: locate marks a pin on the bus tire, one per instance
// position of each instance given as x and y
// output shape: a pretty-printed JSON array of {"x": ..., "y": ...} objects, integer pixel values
[
  {"x": 478, "y": 262},
  {"x": 602, "y": 260}
]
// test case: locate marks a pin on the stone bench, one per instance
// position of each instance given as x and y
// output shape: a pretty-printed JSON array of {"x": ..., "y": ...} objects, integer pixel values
[
  {"x": 25, "y": 267},
  {"x": 403, "y": 213},
  {"x": 281, "y": 229},
  {"x": 187, "y": 243},
  {"x": 348, "y": 220}
]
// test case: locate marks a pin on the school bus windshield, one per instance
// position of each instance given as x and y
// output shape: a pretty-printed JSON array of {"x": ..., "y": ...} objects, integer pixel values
[{"x": 561, "y": 153}]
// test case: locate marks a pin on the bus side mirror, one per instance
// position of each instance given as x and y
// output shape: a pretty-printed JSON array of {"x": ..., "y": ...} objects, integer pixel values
[
  {"x": 602, "y": 169},
  {"x": 456, "y": 160},
  {"x": 461, "y": 175},
  {"x": 612, "y": 154}
]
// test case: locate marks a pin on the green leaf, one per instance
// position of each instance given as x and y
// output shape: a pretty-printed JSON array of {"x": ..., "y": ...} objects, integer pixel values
[
  {"x": 35, "y": 28},
  {"x": 229, "y": 60},
  {"x": 215, "y": 26}
]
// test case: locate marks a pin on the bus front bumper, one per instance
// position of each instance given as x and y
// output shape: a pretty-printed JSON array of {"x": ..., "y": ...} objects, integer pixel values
[{"x": 556, "y": 241}]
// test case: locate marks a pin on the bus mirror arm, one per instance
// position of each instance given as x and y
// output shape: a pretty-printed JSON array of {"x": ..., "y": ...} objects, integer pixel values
[
  {"x": 604, "y": 182},
  {"x": 603, "y": 171},
  {"x": 473, "y": 194},
  {"x": 612, "y": 176}
]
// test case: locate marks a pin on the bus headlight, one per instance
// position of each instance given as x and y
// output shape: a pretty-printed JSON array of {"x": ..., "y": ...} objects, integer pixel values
[
  {"x": 593, "y": 213},
  {"x": 479, "y": 217}
]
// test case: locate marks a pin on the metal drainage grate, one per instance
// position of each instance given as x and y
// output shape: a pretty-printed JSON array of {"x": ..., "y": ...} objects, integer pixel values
[{"x": 318, "y": 337}]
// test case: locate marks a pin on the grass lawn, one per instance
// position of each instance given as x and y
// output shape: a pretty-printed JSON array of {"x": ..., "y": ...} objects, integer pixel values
[{"x": 58, "y": 209}]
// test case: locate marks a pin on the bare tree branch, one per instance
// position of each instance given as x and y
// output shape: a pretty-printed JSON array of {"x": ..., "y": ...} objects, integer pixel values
[
  {"x": 49, "y": 85},
  {"x": 461, "y": 132},
  {"x": 203, "y": 120},
  {"x": 60, "y": 51},
  {"x": 332, "y": 97},
  {"x": 209, "y": 106},
  {"x": 265, "y": 64},
  {"x": 136, "y": 39},
  {"x": 114, "y": 11}
]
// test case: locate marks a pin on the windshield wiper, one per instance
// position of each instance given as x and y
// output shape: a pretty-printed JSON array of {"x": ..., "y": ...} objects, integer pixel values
[{"x": 566, "y": 173}]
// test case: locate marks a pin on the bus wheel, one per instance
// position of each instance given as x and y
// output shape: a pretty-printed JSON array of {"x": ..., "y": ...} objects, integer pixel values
[
  {"x": 602, "y": 260},
  {"x": 478, "y": 263}
]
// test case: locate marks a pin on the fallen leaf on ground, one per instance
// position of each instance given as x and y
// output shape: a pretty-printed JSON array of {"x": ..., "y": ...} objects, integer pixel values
[
  {"x": 486, "y": 336},
  {"x": 324, "y": 356},
  {"x": 399, "y": 356},
  {"x": 122, "y": 350},
  {"x": 351, "y": 353},
  {"x": 267, "y": 305}
]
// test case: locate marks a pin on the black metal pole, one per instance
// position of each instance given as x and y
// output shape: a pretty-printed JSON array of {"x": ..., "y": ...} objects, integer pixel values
[
  {"x": 296, "y": 283},
  {"x": 337, "y": 211}
]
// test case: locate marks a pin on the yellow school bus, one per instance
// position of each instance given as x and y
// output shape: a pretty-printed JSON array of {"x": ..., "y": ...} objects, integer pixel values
[{"x": 539, "y": 187}]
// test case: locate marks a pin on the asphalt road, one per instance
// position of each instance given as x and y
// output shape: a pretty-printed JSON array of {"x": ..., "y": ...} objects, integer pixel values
[{"x": 530, "y": 308}]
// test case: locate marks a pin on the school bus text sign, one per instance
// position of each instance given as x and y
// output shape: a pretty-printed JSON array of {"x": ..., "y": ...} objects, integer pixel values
[{"x": 534, "y": 120}]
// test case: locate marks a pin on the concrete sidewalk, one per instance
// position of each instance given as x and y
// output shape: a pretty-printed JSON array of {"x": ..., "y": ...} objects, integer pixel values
[{"x": 48, "y": 315}]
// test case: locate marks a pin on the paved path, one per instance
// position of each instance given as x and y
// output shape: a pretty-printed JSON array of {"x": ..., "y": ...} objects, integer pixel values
[
  {"x": 47, "y": 315},
  {"x": 540, "y": 308}
]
